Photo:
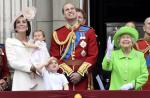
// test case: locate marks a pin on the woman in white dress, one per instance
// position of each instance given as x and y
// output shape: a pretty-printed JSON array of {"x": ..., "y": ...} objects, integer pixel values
[{"x": 18, "y": 54}]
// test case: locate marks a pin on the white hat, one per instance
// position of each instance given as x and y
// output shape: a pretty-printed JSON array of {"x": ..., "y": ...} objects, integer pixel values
[{"x": 28, "y": 13}]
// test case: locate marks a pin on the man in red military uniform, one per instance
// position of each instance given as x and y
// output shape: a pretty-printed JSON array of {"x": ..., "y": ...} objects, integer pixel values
[
  {"x": 143, "y": 45},
  {"x": 76, "y": 47},
  {"x": 4, "y": 71}
]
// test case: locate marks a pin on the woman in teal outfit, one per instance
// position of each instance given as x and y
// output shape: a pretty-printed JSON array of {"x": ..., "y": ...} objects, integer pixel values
[{"x": 127, "y": 66}]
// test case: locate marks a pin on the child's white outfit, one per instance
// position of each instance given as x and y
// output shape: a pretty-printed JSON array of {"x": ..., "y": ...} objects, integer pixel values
[
  {"x": 53, "y": 81},
  {"x": 39, "y": 56}
]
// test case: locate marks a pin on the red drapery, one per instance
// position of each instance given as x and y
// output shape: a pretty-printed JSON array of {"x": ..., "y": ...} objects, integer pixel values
[{"x": 71, "y": 94}]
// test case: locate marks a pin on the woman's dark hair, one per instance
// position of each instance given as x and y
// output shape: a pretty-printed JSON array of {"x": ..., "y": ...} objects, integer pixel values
[{"x": 28, "y": 24}]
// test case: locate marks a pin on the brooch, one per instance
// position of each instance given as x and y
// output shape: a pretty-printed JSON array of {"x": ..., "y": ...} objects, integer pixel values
[
  {"x": 83, "y": 53},
  {"x": 83, "y": 44}
]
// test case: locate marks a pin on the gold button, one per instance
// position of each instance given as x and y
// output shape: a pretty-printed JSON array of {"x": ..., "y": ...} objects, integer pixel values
[{"x": 78, "y": 96}]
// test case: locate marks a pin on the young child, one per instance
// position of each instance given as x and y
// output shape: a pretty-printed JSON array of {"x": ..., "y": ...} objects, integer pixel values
[
  {"x": 52, "y": 79},
  {"x": 40, "y": 54}
]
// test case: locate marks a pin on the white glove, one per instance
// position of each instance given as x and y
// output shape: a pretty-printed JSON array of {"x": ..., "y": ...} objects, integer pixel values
[
  {"x": 127, "y": 86},
  {"x": 110, "y": 47}
]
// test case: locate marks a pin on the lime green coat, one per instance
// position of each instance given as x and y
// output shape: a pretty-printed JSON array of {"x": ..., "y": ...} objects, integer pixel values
[{"x": 131, "y": 69}]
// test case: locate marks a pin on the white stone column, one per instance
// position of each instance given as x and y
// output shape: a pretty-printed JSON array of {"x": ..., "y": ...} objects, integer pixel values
[
  {"x": 1, "y": 21},
  {"x": 44, "y": 17}
]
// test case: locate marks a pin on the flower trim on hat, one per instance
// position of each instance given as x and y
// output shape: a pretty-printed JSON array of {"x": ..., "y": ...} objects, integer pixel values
[{"x": 29, "y": 12}]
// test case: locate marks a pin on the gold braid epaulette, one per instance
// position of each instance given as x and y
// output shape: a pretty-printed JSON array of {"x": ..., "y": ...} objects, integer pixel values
[
  {"x": 57, "y": 40},
  {"x": 69, "y": 38}
]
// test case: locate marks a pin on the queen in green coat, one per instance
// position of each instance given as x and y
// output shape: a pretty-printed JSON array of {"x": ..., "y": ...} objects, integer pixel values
[{"x": 127, "y": 66}]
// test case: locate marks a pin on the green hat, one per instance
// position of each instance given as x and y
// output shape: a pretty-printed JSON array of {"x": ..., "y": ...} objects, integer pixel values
[{"x": 125, "y": 30}]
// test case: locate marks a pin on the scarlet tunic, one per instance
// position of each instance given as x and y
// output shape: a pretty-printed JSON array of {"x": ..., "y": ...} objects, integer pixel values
[
  {"x": 4, "y": 70},
  {"x": 144, "y": 46},
  {"x": 83, "y": 58}
]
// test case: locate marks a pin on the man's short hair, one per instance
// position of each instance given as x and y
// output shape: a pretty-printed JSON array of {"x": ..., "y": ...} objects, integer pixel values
[
  {"x": 82, "y": 11},
  {"x": 64, "y": 5}
]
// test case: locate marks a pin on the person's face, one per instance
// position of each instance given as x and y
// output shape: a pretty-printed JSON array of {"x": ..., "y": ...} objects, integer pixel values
[
  {"x": 38, "y": 36},
  {"x": 146, "y": 26},
  {"x": 21, "y": 25},
  {"x": 80, "y": 18},
  {"x": 53, "y": 66},
  {"x": 69, "y": 12},
  {"x": 125, "y": 41}
]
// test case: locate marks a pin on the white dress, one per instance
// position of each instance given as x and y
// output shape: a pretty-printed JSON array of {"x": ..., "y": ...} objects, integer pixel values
[
  {"x": 40, "y": 55},
  {"x": 53, "y": 81},
  {"x": 18, "y": 57}
]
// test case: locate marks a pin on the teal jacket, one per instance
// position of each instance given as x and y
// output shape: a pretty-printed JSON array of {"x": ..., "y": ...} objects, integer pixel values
[{"x": 131, "y": 69}]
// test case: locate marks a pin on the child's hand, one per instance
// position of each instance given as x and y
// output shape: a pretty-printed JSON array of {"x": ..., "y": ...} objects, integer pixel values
[
  {"x": 39, "y": 66},
  {"x": 25, "y": 43}
]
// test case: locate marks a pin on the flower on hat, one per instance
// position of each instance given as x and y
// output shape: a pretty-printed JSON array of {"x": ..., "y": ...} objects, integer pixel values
[
  {"x": 29, "y": 12},
  {"x": 125, "y": 30}
]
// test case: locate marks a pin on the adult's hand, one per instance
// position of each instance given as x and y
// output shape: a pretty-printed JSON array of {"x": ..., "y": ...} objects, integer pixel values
[
  {"x": 127, "y": 86},
  {"x": 75, "y": 77},
  {"x": 3, "y": 85}
]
